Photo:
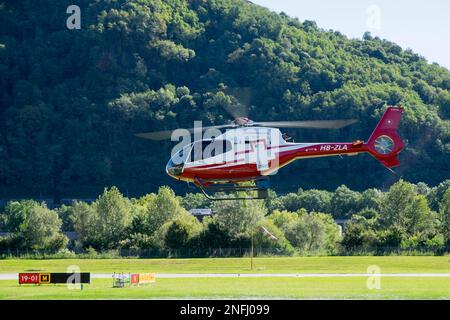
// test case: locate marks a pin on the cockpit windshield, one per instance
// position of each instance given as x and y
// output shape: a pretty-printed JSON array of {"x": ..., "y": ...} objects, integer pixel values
[
  {"x": 176, "y": 163},
  {"x": 181, "y": 156}
]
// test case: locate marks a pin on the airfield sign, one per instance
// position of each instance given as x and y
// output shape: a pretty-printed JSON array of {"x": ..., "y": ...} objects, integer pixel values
[{"x": 54, "y": 278}]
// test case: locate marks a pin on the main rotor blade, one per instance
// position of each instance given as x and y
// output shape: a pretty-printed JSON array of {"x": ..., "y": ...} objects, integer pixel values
[
  {"x": 157, "y": 135},
  {"x": 310, "y": 124},
  {"x": 167, "y": 134}
]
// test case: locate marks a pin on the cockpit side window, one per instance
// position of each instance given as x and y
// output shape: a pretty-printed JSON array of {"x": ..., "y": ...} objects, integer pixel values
[{"x": 209, "y": 148}]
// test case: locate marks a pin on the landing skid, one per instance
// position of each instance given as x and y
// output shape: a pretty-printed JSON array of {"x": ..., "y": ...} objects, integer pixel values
[{"x": 209, "y": 187}]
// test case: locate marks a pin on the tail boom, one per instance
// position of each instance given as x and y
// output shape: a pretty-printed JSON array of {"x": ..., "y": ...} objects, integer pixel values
[{"x": 384, "y": 144}]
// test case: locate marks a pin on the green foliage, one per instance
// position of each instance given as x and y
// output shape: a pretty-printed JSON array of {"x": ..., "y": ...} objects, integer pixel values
[
  {"x": 313, "y": 233},
  {"x": 15, "y": 214},
  {"x": 104, "y": 223},
  {"x": 137, "y": 241},
  {"x": 403, "y": 209},
  {"x": 284, "y": 219},
  {"x": 181, "y": 231},
  {"x": 113, "y": 217},
  {"x": 345, "y": 202},
  {"x": 41, "y": 230},
  {"x": 445, "y": 215},
  {"x": 195, "y": 201},
  {"x": 67, "y": 217},
  {"x": 279, "y": 243},
  {"x": 239, "y": 217},
  {"x": 213, "y": 236},
  {"x": 71, "y": 102},
  {"x": 404, "y": 221},
  {"x": 84, "y": 222},
  {"x": 371, "y": 199},
  {"x": 399, "y": 219},
  {"x": 33, "y": 226},
  {"x": 161, "y": 208},
  {"x": 273, "y": 201},
  {"x": 436, "y": 194},
  {"x": 360, "y": 233},
  {"x": 168, "y": 50},
  {"x": 315, "y": 200}
]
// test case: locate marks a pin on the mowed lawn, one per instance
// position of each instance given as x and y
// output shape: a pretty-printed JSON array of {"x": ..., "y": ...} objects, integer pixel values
[
  {"x": 387, "y": 264},
  {"x": 241, "y": 288}
]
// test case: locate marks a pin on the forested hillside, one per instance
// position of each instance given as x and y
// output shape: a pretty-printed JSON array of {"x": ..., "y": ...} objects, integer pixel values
[{"x": 71, "y": 100}]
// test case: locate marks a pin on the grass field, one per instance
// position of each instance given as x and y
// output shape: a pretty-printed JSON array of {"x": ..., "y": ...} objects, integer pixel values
[
  {"x": 247, "y": 288},
  {"x": 387, "y": 264},
  {"x": 290, "y": 288}
]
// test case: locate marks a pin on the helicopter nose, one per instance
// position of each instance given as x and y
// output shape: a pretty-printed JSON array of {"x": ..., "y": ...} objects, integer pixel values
[{"x": 174, "y": 170}]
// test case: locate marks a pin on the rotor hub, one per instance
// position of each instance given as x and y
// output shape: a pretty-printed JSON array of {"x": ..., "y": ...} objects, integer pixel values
[{"x": 242, "y": 121}]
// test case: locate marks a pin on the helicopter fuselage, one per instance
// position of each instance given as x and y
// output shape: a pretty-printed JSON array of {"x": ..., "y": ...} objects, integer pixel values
[{"x": 248, "y": 153}]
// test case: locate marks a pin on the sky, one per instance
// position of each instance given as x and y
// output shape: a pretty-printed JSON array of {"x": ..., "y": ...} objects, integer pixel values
[{"x": 423, "y": 26}]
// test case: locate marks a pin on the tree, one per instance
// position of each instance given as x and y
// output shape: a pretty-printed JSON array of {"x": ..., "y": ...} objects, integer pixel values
[
  {"x": 41, "y": 230},
  {"x": 15, "y": 213},
  {"x": 263, "y": 240},
  {"x": 239, "y": 217},
  {"x": 67, "y": 217},
  {"x": 284, "y": 219},
  {"x": 161, "y": 208},
  {"x": 273, "y": 201},
  {"x": 84, "y": 223},
  {"x": 309, "y": 234},
  {"x": 315, "y": 200},
  {"x": 437, "y": 193},
  {"x": 332, "y": 233},
  {"x": 396, "y": 205},
  {"x": 422, "y": 188},
  {"x": 171, "y": 51},
  {"x": 111, "y": 219},
  {"x": 345, "y": 202},
  {"x": 404, "y": 208},
  {"x": 213, "y": 235},
  {"x": 142, "y": 65},
  {"x": 445, "y": 215},
  {"x": 113, "y": 213},
  {"x": 139, "y": 216},
  {"x": 291, "y": 202},
  {"x": 138, "y": 241},
  {"x": 360, "y": 233},
  {"x": 405, "y": 215},
  {"x": 371, "y": 199},
  {"x": 34, "y": 226},
  {"x": 195, "y": 201},
  {"x": 181, "y": 230}
]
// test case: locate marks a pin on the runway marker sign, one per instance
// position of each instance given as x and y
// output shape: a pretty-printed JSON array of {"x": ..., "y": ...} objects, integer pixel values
[
  {"x": 143, "y": 278},
  {"x": 28, "y": 278},
  {"x": 44, "y": 278},
  {"x": 54, "y": 278}
]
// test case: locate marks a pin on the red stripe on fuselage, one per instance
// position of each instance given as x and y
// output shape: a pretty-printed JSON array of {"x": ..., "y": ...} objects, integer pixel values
[{"x": 250, "y": 171}]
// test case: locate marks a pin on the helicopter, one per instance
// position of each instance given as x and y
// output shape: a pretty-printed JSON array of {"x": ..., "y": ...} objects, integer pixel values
[{"x": 252, "y": 151}]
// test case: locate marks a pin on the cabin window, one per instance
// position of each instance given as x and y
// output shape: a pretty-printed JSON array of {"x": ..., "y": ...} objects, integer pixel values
[{"x": 209, "y": 148}]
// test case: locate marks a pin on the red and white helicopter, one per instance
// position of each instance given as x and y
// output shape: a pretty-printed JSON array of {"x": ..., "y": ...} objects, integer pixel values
[{"x": 252, "y": 151}]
